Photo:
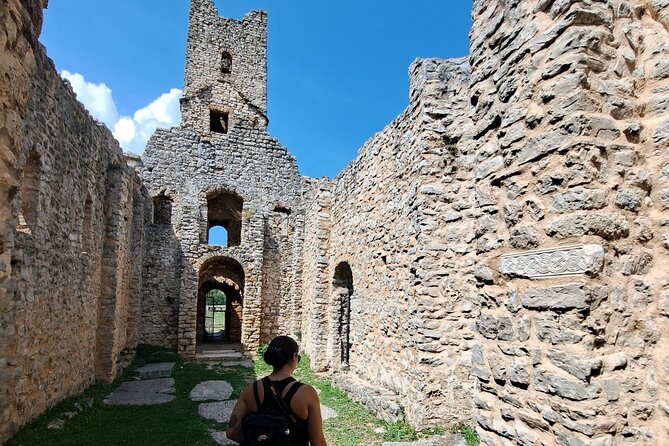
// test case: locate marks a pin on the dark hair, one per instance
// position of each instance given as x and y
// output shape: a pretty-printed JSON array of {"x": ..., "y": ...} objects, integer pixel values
[{"x": 280, "y": 351}]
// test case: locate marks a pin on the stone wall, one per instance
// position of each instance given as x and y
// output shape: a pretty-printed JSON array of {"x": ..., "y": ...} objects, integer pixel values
[
  {"x": 375, "y": 219},
  {"x": 196, "y": 164},
  {"x": 189, "y": 169},
  {"x": 497, "y": 254},
  {"x": 511, "y": 228},
  {"x": 67, "y": 224},
  {"x": 236, "y": 86},
  {"x": 20, "y": 24},
  {"x": 570, "y": 101}
]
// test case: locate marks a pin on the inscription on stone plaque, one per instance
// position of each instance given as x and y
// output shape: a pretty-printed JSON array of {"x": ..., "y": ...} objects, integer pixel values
[{"x": 555, "y": 262}]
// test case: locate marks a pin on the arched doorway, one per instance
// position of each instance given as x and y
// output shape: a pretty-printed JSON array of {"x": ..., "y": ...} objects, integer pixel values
[
  {"x": 343, "y": 289},
  {"x": 220, "y": 302}
]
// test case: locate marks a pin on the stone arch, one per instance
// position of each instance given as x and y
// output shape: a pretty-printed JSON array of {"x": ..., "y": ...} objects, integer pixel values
[
  {"x": 30, "y": 193},
  {"x": 224, "y": 208},
  {"x": 227, "y": 275},
  {"x": 342, "y": 284}
]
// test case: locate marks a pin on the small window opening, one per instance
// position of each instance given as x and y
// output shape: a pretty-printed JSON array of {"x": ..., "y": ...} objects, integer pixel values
[
  {"x": 162, "y": 210},
  {"x": 218, "y": 122},
  {"x": 224, "y": 213},
  {"x": 226, "y": 63},
  {"x": 218, "y": 236},
  {"x": 282, "y": 210},
  {"x": 87, "y": 226},
  {"x": 30, "y": 186}
]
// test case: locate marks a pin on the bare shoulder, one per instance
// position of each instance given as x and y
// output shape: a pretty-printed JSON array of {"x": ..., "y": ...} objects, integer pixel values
[
  {"x": 247, "y": 393},
  {"x": 309, "y": 391}
]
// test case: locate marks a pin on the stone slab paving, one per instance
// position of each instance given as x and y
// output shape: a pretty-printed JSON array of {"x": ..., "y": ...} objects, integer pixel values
[
  {"x": 219, "y": 412},
  {"x": 328, "y": 413},
  {"x": 155, "y": 371},
  {"x": 137, "y": 399},
  {"x": 211, "y": 391},
  {"x": 142, "y": 393},
  {"x": 221, "y": 439},
  {"x": 162, "y": 385},
  {"x": 246, "y": 363}
]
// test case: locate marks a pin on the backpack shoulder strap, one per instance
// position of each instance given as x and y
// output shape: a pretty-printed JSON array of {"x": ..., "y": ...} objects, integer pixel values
[
  {"x": 282, "y": 404},
  {"x": 256, "y": 395},
  {"x": 292, "y": 391}
]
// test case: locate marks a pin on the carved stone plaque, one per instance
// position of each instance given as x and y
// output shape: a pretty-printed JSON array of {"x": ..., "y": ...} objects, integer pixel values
[{"x": 555, "y": 262}]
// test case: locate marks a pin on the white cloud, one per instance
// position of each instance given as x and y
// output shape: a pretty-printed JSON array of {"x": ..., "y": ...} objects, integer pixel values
[
  {"x": 131, "y": 132},
  {"x": 164, "y": 112},
  {"x": 96, "y": 97},
  {"x": 125, "y": 130}
]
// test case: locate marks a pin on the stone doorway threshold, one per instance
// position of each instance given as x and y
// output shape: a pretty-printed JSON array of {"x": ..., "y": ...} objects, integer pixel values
[{"x": 219, "y": 351}]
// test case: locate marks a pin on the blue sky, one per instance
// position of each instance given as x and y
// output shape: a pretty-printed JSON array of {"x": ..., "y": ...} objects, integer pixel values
[{"x": 338, "y": 71}]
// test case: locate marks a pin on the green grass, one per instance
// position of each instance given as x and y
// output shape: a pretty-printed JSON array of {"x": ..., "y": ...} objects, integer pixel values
[
  {"x": 354, "y": 425},
  {"x": 178, "y": 423},
  {"x": 469, "y": 433},
  {"x": 175, "y": 423}
]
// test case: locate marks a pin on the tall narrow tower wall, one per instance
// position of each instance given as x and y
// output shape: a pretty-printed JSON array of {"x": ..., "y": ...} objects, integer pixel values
[
  {"x": 222, "y": 151},
  {"x": 226, "y": 68}
]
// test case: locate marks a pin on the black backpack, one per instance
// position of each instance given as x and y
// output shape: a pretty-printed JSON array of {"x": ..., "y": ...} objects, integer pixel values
[{"x": 267, "y": 427}]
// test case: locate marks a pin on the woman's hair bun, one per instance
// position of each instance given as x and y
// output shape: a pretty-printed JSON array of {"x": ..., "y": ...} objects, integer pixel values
[{"x": 280, "y": 351}]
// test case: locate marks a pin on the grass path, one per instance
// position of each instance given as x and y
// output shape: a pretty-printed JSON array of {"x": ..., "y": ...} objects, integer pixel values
[{"x": 178, "y": 423}]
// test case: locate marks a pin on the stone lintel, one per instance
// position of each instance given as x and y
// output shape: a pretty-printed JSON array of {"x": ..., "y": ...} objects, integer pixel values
[{"x": 554, "y": 262}]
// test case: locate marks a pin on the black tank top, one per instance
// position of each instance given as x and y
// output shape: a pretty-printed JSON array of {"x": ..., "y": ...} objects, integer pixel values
[{"x": 299, "y": 433}]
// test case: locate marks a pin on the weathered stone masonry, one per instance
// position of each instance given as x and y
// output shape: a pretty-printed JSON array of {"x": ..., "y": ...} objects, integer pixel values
[
  {"x": 373, "y": 218},
  {"x": 496, "y": 255},
  {"x": 570, "y": 137},
  {"x": 557, "y": 139},
  {"x": 72, "y": 230},
  {"x": 206, "y": 166}
]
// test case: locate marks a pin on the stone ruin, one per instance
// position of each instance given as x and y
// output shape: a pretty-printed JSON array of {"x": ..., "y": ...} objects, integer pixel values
[{"x": 497, "y": 255}]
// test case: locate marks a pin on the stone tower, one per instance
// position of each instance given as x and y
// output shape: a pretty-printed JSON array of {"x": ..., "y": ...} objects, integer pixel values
[
  {"x": 221, "y": 170},
  {"x": 226, "y": 71}
]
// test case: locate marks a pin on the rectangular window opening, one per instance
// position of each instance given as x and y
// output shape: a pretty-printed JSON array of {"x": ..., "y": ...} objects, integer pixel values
[{"x": 218, "y": 122}]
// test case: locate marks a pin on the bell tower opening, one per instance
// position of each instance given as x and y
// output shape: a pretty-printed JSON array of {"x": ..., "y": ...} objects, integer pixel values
[{"x": 218, "y": 122}]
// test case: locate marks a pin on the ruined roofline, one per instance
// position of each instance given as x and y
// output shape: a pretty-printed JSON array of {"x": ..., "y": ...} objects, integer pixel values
[
  {"x": 207, "y": 7},
  {"x": 459, "y": 67}
]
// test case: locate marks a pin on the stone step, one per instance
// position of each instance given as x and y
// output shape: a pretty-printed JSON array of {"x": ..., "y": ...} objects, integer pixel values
[
  {"x": 247, "y": 363},
  {"x": 155, "y": 371},
  {"x": 218, "y": 355},
  {"x": 227, "y": 350}
]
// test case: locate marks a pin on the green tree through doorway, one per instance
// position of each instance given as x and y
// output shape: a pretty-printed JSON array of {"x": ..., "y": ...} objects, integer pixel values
[{"x": 215, "y": 315}]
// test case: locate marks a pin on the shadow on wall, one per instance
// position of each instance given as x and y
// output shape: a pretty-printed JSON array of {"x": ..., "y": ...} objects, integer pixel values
[{"x": 342, "y": 291}]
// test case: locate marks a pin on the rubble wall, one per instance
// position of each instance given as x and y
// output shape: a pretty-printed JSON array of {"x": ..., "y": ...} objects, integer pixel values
[
  {"x": 570, "y": 173},
  {"x": 188, "y": 169},
  {"x": 20, "y": 24},
  {"x": 507, "y": 234},
  {"x": 60, "y": 230},
  {"x": 373, "y": 219}
]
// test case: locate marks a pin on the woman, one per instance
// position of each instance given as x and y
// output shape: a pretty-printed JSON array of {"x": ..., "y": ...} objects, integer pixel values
[{"x": 300, "y": 399}]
